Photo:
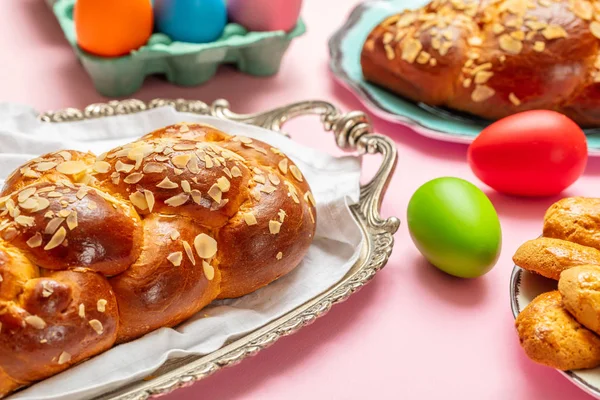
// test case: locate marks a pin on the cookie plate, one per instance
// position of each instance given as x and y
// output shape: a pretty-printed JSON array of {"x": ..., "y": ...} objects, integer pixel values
[
  {"x": 524, "y": 287},
  {"x": 434, "y": 122}
]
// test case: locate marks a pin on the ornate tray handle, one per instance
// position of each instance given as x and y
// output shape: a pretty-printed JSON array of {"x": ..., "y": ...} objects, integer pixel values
[{"x": 352, "y": 131}]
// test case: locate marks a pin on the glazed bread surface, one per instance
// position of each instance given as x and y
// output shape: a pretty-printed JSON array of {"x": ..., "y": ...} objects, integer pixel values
[
  {"x": 99, "y": 250},
  {"x": 492, "y": 58}
]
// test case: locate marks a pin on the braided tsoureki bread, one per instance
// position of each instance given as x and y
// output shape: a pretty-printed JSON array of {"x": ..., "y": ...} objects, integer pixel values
[
  {"x": 101, "y": 250},
  {"x": 492, "y": 58}
]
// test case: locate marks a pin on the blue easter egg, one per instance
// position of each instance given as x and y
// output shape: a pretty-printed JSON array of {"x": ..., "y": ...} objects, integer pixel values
[{"x": 194, "y": 21}]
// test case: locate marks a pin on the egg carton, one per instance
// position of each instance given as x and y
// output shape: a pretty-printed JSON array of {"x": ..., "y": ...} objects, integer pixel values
[{"x": 185, "y": 64}]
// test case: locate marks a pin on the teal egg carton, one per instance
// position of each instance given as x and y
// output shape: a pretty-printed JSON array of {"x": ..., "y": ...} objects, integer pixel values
[{"x": 185, "y": 64}]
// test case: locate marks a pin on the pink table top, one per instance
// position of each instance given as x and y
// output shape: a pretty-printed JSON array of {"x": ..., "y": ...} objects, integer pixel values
[{"x": 411, "y": 333}]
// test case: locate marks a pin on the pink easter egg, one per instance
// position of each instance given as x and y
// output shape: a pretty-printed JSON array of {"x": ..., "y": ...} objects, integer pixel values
[{"x": 265, "y": 15}]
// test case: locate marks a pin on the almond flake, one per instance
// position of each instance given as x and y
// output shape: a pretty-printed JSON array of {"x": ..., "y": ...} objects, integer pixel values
[
  {"x": 279, "y": 256},
  {"x": 283, "y": 166},
  {"x": 153, "y": 168},
  {"x": 308, "y": 196},
  {"x": 189, "y": 252},
  {"x": 482, "y": 77},
  {"x": 177, "y": 200},
  {"x": 192, "y": 165},
  {"x": 185, "y": 185},
  {"x": 281, "y": 213},
  {"x": 82, "y": 192},
  {"x": 82, "y": 310},
  {"x": 274, "y": 227},
  {"x": 510, "y": 44},
  {"x": 387, "y": 37},
  {"x": 250, "y": 219},
  {"x": 29, "y": 173},
  {"x": 184, "y": 146},
  {"x": 583, "y": 9},
  {"x": 35, "y": 240},
  {"x": 133, "y": 178},
  {"x": 53, "y": 225},
  {"x": 482, "y": 93},
  {"x": 181, "y": 160},
  {"x": 72, "y": 220},
  {"x": 64, "y": 358},
  {"x": 196, "y": 196},
  {"x": 97, "y": 326},
  {"x": 29, "y": 204},
  {"x": 423, "y": 57},
  {"x": 123, "y": 167},
  {"x": 514, "y": 99},
  {"x": 260, "y": 178},
  {"x": 539, "y": 46},
  {"x": 184, "y": 128},
  {"x": 175, "y": 258},
  {"x": 215, "y": 193},
  {"x": 101, "y": 305},
  {"x": 410, "y": 50},
  {"x": 46, "y": 290},
  {"x": 24, "y": 220},
  {"x": 64, "y": 213},
  {"x": 167, "y": 184},
  {"x": 389, "y": 52},
  {"x": 71, "y": 167},
  {"x": 66, "y": 155},
  {"x": 174, "y": 235},
  {"x": 518, "y": 35},
  {"x": 557, "y": 32},
  {"x": 223, "y": 184},
  {"x": 45, "y": 166},
  {"x": 49, "y": 214},
  {"x": 209, "y": 271},
  {"x": 208, "y": 161},
  {"x": 57, "y": 239},
  {"x": 149, "y": 196},
  {"x": 10, "y": 233},
  {"x": 101, "y": 167},
  {"x": 139, "y": 200},
  {"x": 92, "y": 206},
  {"x": 497, "y": 29},
  {"x": 296, "y": 173},
  {"x": 467, "y": 82},
  {"x": 205, "y": 246},
  {"x": 26, "y": 194},
  {"x": 236, "y": 172},
  {"x": 268, "y": 189},
  {"x": 35, "y": 322},
  {"x": 274, "y": 179}
]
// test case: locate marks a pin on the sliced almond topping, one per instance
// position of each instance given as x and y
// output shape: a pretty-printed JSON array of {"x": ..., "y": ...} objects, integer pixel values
[
  {"x": 583, "y": 9},
  {"x": 296, "y": 173},
  {"x": 410, "y": 49},
  {"x": 56, "y": 239},
  {"x": 153, "y": 168},
  {"x": 67, "y": 156},
  {"x": 387, "y": 38},
  {"x": 123, "y": 167},
  {"x": 101, "y": 305},
  {"x": 97, "y": 326},
  {"x": 101, "y": 167},
  {"x": 557, "y": 32},
  {"x": 53, "y": 225},
  {"x": 185, "y": 185},
  {"x": 29, "y": 173},
  {"x": 174, "y": 235},
  {"x": 514, "y": 99},
  {"x": 274, "y": 227},
  {"x": 482, "y": 77},
  {"x": 208, "y": 161},
  {"x": 24, "y": 220},
  {"x": 184, "y": 146},
  {"x": 133, "y": 178},
  {"x": 206, "y": 246},
  {"x": 283, "y": 166},
  {"x": 189, "y": 252},
  {"x": 184, "y": 128},
  {"x": 91, "y": 205},
  {"x": 35, "y": 322},
  {"x": 45, "y": 166},
  {"x": 29, "y": 204},
  {"x": 256, "y": 195},
  {"x": 196, "y": 196},
  {"x": 82, "y": 310},
  {"x": 64, "y": 358},
  {"x": 71, "y": 167},
  {"x": 46, "y": 289},
  {"x": 177, "y": 200},
  {"x": 49, "y": 214},
  {"x": 243, "y": 139},
  {"x": 72, "y": 220},
  {"x": 64, "y": 213},
  {"x": 178, "y": 171},
  {"x": 482, "y": 93},
  {"x": 215, "y": 193},
  {"x": 180, "y": 161},
  {"x": 10, "y": 233},
  {"x": 250, "y": 219},
  {"x": 389, "y": 52},
  {"x": 281, "y": 215},
  {"x": 167, "y": 184},
  {"x": 192, "y": 165},
  {"x": 54, "y": 194},
  {"x": 35, "y": 240},
  {"x": 308, "y": 196},
  {"x": 595, "y": 29},
  {"x": 312, "y": 218},
  {"x": 223, "y": 184},
  {"x": 268, "y": 189},
  {"x": 26, "y": 194},
  {"x": 236, "y": 172},
  {"x": 539, "y": 46},
  {"x": 149, "y": 196},
  {"x": 497, "y": 29},
  {"x": 175, "y": 258},
  {"x": 82, "y": 192},
  {"x": 279, "y": 256},
  {"x": 274, "y": 179},
  {"x": 209, "y": 271},
  {"x": 138, "y": 199},
  {"x": 510, "y": 44},
  {"x": 260, "y": 178},
  {"x": 467, "y": 82},
  {"x": 423, "y": 57}
]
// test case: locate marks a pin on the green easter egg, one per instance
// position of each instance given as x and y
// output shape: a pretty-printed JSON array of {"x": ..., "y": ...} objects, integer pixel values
[{"x": 455, "y": 226}]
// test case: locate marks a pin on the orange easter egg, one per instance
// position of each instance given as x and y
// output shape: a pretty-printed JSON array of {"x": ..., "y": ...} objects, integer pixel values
[{"x": 112, "y": 28}]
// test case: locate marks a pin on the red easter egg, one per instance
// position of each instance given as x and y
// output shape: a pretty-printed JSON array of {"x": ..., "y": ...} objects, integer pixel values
[{"x": 533, "y": 153}]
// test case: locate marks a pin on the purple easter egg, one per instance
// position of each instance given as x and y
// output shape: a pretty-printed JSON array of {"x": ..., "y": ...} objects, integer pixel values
[{"x": 265, "y": 15}]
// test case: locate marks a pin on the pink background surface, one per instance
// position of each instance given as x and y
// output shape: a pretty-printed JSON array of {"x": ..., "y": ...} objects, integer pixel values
[{"x": 413, "y": 332}]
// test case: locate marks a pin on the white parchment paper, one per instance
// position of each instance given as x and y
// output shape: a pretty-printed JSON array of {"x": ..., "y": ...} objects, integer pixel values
[{"x": 334, "y": 183}]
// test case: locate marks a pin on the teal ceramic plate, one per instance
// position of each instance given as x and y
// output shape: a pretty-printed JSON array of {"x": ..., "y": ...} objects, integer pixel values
[{"x": 442, "y": 124}]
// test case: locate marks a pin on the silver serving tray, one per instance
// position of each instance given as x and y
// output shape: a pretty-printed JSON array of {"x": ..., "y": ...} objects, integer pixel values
[
  {"x": 352, "y": 132},
  {"x": 524, "y": 287}
]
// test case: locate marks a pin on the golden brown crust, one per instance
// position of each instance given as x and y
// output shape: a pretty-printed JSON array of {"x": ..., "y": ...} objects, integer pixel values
[
  {"x": 551, "y": 336},
  {"x": 549, "y": 257},
  {"x": 492, "y": 58},
  {"x": 575, "y": 219},
  {"x": 580, "y": 289},
  {"x": 100, "y": 250}
]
